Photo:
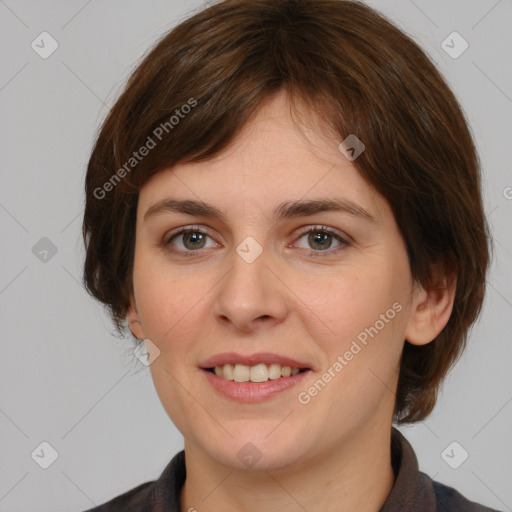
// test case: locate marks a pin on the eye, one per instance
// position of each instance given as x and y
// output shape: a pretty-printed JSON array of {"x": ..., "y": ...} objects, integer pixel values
[
  {"x": 320, "y": 239},
  {"x": 192, "y": 239}
]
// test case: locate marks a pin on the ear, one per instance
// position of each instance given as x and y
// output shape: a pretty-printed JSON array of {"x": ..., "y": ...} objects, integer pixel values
[
  {"x": 133, "y": 320},
  {"x": 432, "y": 307}
]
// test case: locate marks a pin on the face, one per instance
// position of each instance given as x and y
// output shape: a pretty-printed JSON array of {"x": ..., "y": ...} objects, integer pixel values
[{"x": 331, "y": 289}]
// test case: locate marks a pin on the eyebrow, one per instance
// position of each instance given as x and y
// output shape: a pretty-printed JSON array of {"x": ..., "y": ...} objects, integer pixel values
[{"x": 285, "y": 210}]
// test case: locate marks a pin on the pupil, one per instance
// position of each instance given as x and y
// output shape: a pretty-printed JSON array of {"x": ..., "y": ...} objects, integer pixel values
[
  {"x": 321, "y": 235},
  {"x": 196, "y": 236}
]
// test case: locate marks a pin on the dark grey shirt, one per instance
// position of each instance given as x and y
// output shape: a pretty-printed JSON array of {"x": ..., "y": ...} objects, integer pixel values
[{"x": 413, "y": 491}]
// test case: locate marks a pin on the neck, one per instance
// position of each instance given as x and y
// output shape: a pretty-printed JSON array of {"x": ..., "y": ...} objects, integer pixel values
[{"x": 354, "y": 475}]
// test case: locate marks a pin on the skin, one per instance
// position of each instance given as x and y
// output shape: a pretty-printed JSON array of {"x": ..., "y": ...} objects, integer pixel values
[{"x": 333, "y": 451}]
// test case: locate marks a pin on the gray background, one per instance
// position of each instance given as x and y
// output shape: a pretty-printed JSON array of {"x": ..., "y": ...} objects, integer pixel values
[{"x": 65, "y": 379}]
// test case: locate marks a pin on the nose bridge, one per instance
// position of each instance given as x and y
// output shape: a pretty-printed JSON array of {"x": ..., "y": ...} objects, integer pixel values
[{"x": 249, "y": 290}]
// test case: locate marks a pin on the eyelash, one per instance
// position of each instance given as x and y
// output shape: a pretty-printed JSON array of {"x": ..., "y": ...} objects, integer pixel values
[{"x": 317, "y": 229}]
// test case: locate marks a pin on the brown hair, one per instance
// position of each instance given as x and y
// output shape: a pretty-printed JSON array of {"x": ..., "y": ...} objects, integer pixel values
[{"x": 367, "y": 78}]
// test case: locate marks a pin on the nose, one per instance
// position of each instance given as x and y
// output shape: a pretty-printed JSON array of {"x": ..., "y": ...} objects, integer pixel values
[{"x": 251, "y": 296}]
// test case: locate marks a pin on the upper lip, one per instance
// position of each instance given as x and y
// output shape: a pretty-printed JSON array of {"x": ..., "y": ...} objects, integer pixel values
[{"x": 251, "y": 360}]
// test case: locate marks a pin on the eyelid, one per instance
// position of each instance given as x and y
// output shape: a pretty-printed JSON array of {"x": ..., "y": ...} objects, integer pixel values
[
  {"x": 344, "y": 239},
  {"x": 332, "y": 231},
  {"x": 184, "y": 229}
]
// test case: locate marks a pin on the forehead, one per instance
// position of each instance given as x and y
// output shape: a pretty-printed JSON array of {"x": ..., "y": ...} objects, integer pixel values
[{"x": 275, "y": 158}]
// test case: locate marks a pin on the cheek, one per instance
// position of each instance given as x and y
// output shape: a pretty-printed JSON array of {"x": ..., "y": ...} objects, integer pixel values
[
  {"x": 169, "y": 302},
  {"x": 362, "y": 357},
  {"x": 156, "y": 308},
  {"x": 356, "y": 315},
  {"x": 344, "y": 302}
]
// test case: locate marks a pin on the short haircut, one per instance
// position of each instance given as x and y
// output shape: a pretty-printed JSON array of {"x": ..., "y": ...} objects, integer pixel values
[{"x": 195, "y": 90}]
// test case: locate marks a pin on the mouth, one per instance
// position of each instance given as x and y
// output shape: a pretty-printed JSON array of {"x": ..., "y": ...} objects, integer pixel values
[
  {"x": 254, "y": 374},
  {"x": 238, "y": 384},
  {"x": 212, "y": 370},
  {"x": 258, "y": 367}
]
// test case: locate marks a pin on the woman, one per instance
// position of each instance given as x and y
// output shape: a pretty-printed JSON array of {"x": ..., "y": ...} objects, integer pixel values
[{"x": 285, "y": 205}]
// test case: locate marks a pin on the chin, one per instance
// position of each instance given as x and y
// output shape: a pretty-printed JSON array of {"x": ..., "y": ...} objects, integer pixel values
[{"x": 257, "y": 452}]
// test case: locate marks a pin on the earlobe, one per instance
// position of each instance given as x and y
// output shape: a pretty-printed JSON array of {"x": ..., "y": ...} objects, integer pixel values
[
  {"x": 133, "y": 320},
  {"x": 431, "y": 308}
]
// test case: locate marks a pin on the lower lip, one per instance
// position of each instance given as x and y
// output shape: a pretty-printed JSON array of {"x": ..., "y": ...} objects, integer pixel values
[{"x": 249, "y": 392}]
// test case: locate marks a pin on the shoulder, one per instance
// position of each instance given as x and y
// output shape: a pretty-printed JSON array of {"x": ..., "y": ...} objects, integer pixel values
[
  {"x": 160, "y": 495},
  {"x": 415, "y": 490},
  {"x": 449, "y": 499},
  {"x": 131, "y": 501}
]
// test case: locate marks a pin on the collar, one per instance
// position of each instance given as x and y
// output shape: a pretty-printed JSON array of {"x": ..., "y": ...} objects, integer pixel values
[{"x": 412, "y": 490}]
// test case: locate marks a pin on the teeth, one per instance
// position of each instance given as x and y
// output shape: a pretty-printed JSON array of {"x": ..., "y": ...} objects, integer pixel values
[{"x": 258, "y": 373}]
